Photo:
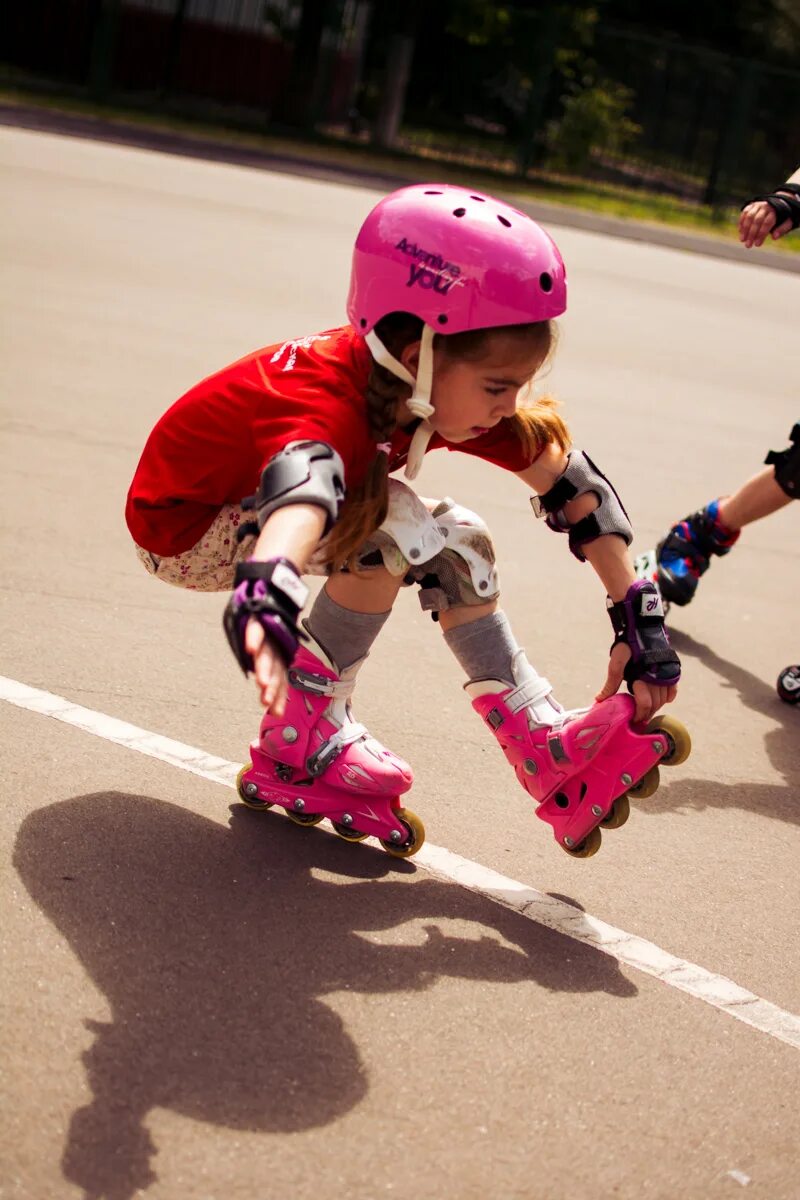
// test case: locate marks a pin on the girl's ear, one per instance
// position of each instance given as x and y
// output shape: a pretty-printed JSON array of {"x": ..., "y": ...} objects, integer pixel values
[{"x": 409, "y": 357}]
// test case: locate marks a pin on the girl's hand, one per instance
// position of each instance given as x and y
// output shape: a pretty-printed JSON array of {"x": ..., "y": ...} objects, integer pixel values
[
  {"x": 271, "y": 675},
  {"x": 757, "y": 220},
  {"x": 649, "y": 697}
]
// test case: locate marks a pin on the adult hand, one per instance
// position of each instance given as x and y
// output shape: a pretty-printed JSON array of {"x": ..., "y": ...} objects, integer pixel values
[{"x": 758, "y": 220}]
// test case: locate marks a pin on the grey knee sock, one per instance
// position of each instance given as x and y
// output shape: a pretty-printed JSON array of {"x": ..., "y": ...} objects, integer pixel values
[
  {"x": 485, "y": 647},
  {"x": 344, "y": 635}
]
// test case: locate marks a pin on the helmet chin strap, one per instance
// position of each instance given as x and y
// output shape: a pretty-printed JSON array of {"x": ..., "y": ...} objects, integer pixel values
[{"x": 420, "y": 400}]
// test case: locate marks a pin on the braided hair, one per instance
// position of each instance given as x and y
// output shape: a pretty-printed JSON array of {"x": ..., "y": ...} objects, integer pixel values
[{"x": 366, "y": 505}]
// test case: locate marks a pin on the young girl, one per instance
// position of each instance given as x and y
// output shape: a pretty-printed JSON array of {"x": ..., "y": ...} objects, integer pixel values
[{"x": 280, "y": 465}]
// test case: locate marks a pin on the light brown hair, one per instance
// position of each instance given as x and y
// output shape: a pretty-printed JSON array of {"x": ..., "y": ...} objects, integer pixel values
[{"x": 536, "y": 422}]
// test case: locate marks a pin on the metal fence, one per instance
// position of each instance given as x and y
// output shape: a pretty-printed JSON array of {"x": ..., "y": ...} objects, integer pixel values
[{"x": 622, "y": 108}]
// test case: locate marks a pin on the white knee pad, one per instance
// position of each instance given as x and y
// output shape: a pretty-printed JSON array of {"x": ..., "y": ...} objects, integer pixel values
[
  {"x": 463, "y": 572},
  {"x": 448, "y": 551},
  {"x": 409, "y": 536}
]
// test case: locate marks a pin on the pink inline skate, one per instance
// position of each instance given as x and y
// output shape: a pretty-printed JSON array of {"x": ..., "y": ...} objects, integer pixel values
[
  {"x": 316, "y": 761},
  {"x": 580, "y": 766}
]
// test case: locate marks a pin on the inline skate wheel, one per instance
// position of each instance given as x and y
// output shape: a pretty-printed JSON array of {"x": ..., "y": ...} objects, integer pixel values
[
  {"x": 416, "y": 835},
  {"x": 248, "y": 792},
  {"x": 303, "y": 818},
  {"x": 618, "y": 814},
  {"x": 679, "y": 744},
  {"x": 788, "y": 685},
  {"x": 348, "y": 833},
  {"x": 589, "y": 846},
  {"x": 647, "y": 785}
]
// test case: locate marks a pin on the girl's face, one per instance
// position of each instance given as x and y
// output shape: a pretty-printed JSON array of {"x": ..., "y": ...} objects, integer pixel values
[{"x": 470, "y": 396}]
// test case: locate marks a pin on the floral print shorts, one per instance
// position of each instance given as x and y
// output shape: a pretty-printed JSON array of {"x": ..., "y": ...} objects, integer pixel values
[{"x": 210, "y": 565}]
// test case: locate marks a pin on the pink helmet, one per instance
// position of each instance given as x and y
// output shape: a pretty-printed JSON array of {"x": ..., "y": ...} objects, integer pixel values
[{"x": 456, "y": 259}]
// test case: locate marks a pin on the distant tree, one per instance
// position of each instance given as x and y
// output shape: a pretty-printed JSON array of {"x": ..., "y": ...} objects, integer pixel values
[{"x": 296, "y": 104}]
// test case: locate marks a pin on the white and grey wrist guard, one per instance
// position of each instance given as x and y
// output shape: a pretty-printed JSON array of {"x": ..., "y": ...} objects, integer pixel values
[{"x": 580, "y": 477}]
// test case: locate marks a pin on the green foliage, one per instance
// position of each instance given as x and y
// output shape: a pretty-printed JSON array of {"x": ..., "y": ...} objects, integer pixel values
[
  {"x": 480, "y": 24},
  {"x": 594, "y": 121}
]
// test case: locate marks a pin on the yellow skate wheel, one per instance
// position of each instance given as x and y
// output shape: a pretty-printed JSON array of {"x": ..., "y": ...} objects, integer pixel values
[
  {"x": 348, "y": 833},
  {"x": 589, "y": 846},
  {"x": 416, "y": 835},
  {"x": 248, "y": 792},
  {"x": 303, "y": 818},
  {"x": 647, "y": 785},
  {"x": 618, "y": 814},
  {"x": 678, "y": 740}
]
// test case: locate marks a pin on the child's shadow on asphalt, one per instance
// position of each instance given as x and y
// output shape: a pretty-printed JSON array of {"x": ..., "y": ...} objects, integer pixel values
[
  {"x": 215, "y": 948},
  {"x": 782, "y": 745}
]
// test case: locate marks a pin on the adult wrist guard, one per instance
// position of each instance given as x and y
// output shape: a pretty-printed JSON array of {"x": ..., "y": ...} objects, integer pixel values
[
  {"x": 787, "y": 465},
  {"x": 273, "y": 594},
  {"x": 638, "y": 622},
  {"x": 785, "y": 207}
]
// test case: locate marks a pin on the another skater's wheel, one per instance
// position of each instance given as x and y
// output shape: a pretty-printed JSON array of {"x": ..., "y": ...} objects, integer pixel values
[
  {"x": 618, "y": 813},
  {"x": 416, "y": 835},
  {"x": 788, "y": 685},
  {"x": 301, "y": 818},
  {"x": 589, "y": 846},
  {"x": 348, "y": 833},
  {"x": 248, "y": 791},
  {"x": 647, "y": 785},
  {"x": 679, "y": 744}
]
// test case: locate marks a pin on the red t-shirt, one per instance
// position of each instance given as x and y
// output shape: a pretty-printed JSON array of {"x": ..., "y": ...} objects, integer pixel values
[{"x": 211, "y": 446}]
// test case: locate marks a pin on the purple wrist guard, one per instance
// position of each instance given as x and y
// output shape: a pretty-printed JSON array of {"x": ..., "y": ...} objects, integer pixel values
[
  {"x": 273, "y": 594},
  {"x": 638, "y": 622}
]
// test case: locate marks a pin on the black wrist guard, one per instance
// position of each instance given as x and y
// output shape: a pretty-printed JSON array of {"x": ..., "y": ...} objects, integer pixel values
[
  {"x": 786, "y": 208},
  {"x": 273, "y": 593},
  {"x": 787, "y": 465},
  {"x": 638, "y": 622}
]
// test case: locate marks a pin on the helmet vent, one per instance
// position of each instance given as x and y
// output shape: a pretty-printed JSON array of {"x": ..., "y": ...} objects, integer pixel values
[
  {"x": 546, "y": 281},
  {"x": 480, "y": 199},
  {"x": 442, "y": 318},
  {"x": 433, "y": 193},
  {"x": 504, "y": 221},
  {"x": 363, "y": 322},
  {"x": 459, "y": 212}
]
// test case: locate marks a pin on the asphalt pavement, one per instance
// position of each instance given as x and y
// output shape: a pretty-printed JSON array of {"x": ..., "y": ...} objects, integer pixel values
[{"x": 201, "y": 1002}]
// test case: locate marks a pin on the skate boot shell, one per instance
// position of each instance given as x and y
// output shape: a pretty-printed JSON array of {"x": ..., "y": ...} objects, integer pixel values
[
  {"x": 316, "y": 761},
  {"x": 684, "y": 555},
  {"x": 580, "y": 767}
]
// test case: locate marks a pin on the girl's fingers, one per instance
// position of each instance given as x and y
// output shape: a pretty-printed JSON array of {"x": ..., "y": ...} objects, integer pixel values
[
  {"x": 271, "y": 679},
  {"x": 253, "y": 638}
]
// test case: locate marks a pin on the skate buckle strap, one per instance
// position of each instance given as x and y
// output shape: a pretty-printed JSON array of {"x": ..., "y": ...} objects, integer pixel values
[
  {"x": 556, "y": 747},
  {"x": 321, "y": 685},
  {"x": 529, "y": 692},
  {"x": 333, "y": 747}
]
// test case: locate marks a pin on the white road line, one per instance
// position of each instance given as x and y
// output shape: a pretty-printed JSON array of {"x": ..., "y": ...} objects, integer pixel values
[{"x": 626, "y": 948}]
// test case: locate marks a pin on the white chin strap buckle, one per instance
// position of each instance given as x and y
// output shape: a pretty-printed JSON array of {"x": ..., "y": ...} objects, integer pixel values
[{"x": 420, "y": 400}]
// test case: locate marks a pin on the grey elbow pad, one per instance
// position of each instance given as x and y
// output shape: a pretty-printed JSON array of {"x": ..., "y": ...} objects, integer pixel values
[
  {"x": 302, "y": 473},
  {"x": 580, "y": 477}
]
